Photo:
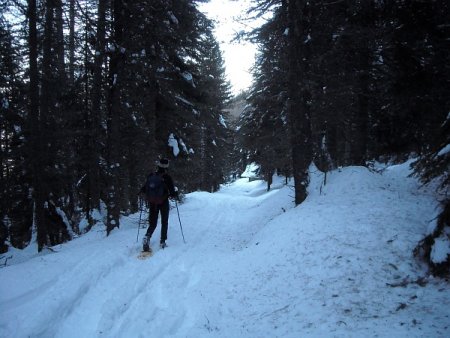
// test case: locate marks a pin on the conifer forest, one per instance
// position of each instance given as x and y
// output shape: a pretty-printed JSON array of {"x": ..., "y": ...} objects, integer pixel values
[{"x": 93, "y": 92}]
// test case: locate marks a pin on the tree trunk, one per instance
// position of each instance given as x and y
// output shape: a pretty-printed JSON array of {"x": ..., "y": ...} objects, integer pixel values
[
  {"x": 36, "y": 151},
  {"x": 363, "y": 89},
  {"x": 113, "y": 121},
  {"x": 60, "y": 45},
  {"x": 298, "y": 106},
  {"x": 93, "y": 115},
  {"x": 72, "y": 42}
]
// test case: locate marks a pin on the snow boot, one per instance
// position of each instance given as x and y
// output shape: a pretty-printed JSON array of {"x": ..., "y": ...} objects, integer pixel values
[
  {"x": 145, "y": 244},
  {"x": 163, "y": 245}
]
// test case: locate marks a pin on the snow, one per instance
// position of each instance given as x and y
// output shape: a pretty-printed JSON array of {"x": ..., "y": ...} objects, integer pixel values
[
  {"x": 183, "y": 146},
  {"x": 308, "y": 39},
  {"x": 64, "y": 218},
  {"x": 173, "y": 18},
  {"x": 184, "y": 100},
  {"x": 173, "y": 143},
  {"x": 251, "y": 171},
  {"x": 253, "y": 266},
  {"x": 222, "y": 121},
  {"x": 189, "y": 78},
  {"x": 444, "y": 150},
  {"x": 96, "y": 216},
  {"x": 5, "y": 103},
  {"x": 440, "y": 250}
]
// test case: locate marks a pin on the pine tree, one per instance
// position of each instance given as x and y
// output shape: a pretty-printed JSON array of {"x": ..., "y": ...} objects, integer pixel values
[
  {"x": 435, "y": 165},
  {"x": 16, "y": 209},
  {"x": 412, "y": 75},
  {"x": 214, "y": 135},
  {"x": 264, "y": 123}
]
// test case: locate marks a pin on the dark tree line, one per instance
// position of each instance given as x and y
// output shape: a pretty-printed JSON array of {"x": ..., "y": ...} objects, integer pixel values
[
  {"x": 348, "y": 82},
  {"x": 92, "y": 92}
]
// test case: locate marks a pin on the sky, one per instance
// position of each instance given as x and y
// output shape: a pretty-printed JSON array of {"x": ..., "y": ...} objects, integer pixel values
[
  {"x": 340, "y": 264},
  {"x": 239, "y": 56}
]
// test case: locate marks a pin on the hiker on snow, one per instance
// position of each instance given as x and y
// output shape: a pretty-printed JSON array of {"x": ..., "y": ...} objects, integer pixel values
[{"x": 157, "y": 189}]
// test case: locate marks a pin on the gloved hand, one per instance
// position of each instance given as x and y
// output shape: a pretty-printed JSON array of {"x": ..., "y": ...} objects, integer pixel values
[{"x": 175, "y": 196}]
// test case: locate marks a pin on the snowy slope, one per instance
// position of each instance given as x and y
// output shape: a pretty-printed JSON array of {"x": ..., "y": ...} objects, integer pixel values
[{"x": 339, "y": 265}]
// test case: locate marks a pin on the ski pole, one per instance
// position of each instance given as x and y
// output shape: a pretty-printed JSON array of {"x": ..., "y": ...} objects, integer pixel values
[
  {"x": 140, "y": 217},
  {"x": 181, "y": 227}
]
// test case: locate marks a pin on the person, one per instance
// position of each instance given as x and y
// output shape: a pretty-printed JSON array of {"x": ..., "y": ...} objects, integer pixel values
[{"x": 159, "y": 206}]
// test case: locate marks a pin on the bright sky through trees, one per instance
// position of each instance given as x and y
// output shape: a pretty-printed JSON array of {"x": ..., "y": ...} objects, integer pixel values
[{"x": 239, "y": 56}]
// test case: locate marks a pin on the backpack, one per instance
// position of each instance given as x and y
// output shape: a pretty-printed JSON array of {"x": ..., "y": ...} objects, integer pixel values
[{"x": 155, "y": 189}]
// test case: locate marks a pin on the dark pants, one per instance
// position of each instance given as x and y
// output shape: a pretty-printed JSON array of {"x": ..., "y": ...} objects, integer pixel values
[{"x": 154, "y": 210}]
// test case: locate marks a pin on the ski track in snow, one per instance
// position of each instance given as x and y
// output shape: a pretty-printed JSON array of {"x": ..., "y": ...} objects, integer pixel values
[{"x": 253, "y": 266}]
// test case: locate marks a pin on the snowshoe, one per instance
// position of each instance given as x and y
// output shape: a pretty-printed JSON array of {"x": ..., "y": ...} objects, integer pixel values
[{"x": 145, "y": 254}]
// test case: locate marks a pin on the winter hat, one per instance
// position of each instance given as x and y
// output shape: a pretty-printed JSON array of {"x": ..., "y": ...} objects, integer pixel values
[{"x": 163, "y": 163}]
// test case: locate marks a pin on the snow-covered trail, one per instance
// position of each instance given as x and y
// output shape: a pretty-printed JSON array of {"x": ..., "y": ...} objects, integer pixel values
[
  {"x": 189, "y": 289},
  {"x": 253, "y": 266},
  {"x": 100, "y": 285}
]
